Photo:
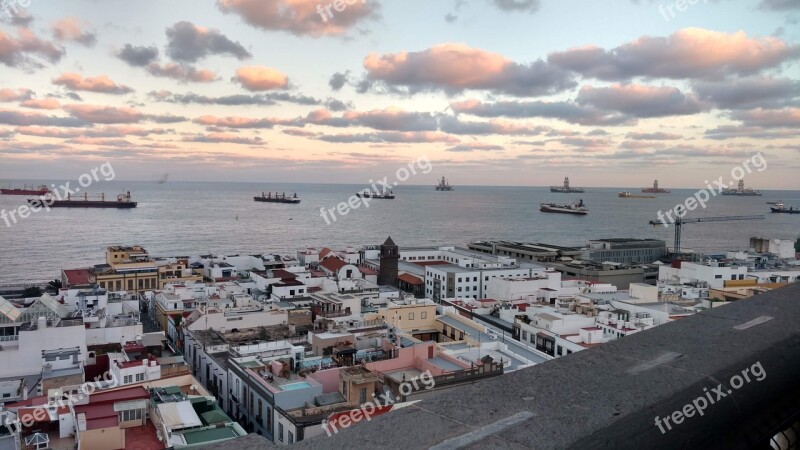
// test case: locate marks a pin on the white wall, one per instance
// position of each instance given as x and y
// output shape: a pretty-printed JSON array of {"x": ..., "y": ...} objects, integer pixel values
[{"x": 114, "y": 335}]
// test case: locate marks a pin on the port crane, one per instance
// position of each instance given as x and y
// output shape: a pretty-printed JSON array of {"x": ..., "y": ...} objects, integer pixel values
[{"x": 680, "y": 221}]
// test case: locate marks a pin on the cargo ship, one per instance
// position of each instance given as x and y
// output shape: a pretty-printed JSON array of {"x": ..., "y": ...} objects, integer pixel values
[
  {"x": 780, "y": 208},
  {"x": 576, "y": 208},
  {"x": 566, "y": 188},
  {"x": 443, "y": 185},
  {"x": 627, "y": 194},
  {"x": 49, "y": 201},
  {"x": 25, "y": 190},
  {"x": 386, "y": 195},
  {"x": 655, "y": 189},
  {"x": 741, "y": 191},
  {"x": 276, "y": 198}
]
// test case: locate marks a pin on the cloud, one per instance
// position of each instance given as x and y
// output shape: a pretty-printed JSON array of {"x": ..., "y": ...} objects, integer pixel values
[
  {"x": 658, "y": 136},
  {"x": 20, "y": 118},
  {"x": 394, "y": 119},
  {"x": 454, "y": 68},
  {"x": 472, "y": 147},
  {"x": 398, "y": 137},
  {"x": 260, "y": 78},
  {"x": 188, "y": 42},
  {"x": 101, "y": 84},
  {"x": 567, "y": 111},
  {"x": 641, "y": 101},
  {"x": 114, "y": 115},
  {"x": 688, "y": 53},
  {"x": 779, "y": 5},
  {"x": 302, "y": 17},
  {"x": 107, "y": 131},
  {"x": 223, "y": 138},
  {"x": 746, "y": 93},
  {"x": 235, "y": 100},
  {"x": 20, "y": 18},
  {"x": 15, "y": 95},
  {"x": 18, "y": 52},
  {"x": 338, "y": 80},
  {"x": 71, "y": 29},
  {"x": 517, "y": 5},
  {"x": 181, "y": 72},
  {"x": 338, "y": 105},
  {"x": 41, "y": 103},
  {"x": 752, "y": 132},
  {"x": 769, "y": 118},
  {"x": 137, "y": 56},
  {"x": 239, "y": 122},
  {"x": 453, "y": 125}
]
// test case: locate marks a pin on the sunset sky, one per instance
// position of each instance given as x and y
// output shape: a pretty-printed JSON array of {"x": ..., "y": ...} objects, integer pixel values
[{"x": 494, "y": 92}]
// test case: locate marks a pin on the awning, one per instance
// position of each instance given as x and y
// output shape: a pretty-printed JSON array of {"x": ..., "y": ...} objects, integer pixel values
[{"x": 179, "y": 415}]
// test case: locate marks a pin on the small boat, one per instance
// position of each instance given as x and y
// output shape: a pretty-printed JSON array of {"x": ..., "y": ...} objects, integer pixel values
[
  {"x": 443, "y": 185},
  {"x": 25, "y": 190},
  {"x": 626, "y": 194},
  {"x": 277, "y": 198},
  {"x": 366, "y": 193},
  {"x": 576, "y": 208},
  {"x": 566, "y": 188},
  {"x": 49, "y": 201},
  {"x": 780, "y": 208},
  {"x": 655, "y": 189}
]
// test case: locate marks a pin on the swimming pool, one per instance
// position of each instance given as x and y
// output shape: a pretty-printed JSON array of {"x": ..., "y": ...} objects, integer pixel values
[{"x": 296, "y": 386}]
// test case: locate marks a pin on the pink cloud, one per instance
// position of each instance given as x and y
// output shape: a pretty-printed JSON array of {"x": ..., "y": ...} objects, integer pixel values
[
  {"x": 15, "y": 95},
  {"x": 71, "y": 29},
  {"x": 302, "y": 17},
  {"x": 260, "y": 78},
  {"x": 102, "y": 84},
  {"x": 41, "y": 103}
]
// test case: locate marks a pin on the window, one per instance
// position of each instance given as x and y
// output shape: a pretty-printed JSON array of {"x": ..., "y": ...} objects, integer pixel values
[
  {"x": 411, "y": 316},
  {"x": 423, "y": 315},
  {"x": 139, "y": 377},
  {"x": 130, "y": 414},
  {"x": 362, "y": 395},
  {"x": 718, "y": 276},
  {"x": 280, "y": 432},
  {"x": 474, "y": 278},
  {"x": 127, "y": 379},
  {"x": 291, "y": 437}
]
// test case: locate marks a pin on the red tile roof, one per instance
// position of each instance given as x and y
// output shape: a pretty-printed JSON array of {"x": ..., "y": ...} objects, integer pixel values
[
  {"x": 324, "y": 252},
  {"x": 333, "y": 264},
  {"x": 77, "y": 277},
  {"x": 367, "y": 271},
  {"x": 410, "y": 279},
  {"x": 591, "y": 328},
  {"x": 283, "y": 274},
  {"x": 131, "y": 393}
]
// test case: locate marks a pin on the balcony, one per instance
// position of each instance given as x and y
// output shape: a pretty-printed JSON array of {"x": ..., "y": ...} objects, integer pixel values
[{"x": 609, "y": 396}]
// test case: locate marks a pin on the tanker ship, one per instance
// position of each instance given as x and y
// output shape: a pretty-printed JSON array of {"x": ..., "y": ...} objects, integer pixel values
[
  {"x": 566, "y": 188},
  {"x": 276, "y": 198},
  {"x": 25, "y": 190},
  {"x": 49, "y": 201},
  {"x": 655, "y": 189}
]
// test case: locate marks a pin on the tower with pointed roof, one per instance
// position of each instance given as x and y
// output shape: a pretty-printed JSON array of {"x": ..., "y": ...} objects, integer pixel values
[{"x": 390, "y": 255}]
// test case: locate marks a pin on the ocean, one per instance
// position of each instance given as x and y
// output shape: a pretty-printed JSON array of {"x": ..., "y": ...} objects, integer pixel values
[{"x": 190, "y": 218}]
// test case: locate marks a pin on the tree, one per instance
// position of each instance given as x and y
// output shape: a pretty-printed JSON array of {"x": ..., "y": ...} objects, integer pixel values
[
  {"x": 797, "y": 245},
  {"x": 54, "y": 285},
  {"x": 32, "y": 291},
  {"x": 177, "y": 320}
]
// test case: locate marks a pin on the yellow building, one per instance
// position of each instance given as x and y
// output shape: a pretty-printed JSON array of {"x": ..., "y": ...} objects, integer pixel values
[
  {"x": 178, "y": 272},
  {"x": 416, "y": 317},
  {"x": 127, "y": 269}
]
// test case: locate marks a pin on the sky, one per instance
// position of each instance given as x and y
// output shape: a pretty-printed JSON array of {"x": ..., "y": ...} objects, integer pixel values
[{"x": 491, "y": 92}]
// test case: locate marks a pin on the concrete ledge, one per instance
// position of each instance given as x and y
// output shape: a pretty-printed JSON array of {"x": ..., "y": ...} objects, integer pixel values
[{"x": 610, "y": 395}]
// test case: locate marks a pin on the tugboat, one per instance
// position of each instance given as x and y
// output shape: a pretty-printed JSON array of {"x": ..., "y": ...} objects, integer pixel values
[
  {"x": 25, "y": 190},
  {"x": 741, "y": 191},
  {"x": 443, "y": 185},
  {"x": 386, "y": 195},
  {"x": 780, "y": 208},
  {"x": 626, "y": 194},
  {"x": 655, "y": 189},
  {"x": 277, "y": 198},
  {"x": 566, "y": 188},
  {"x": 48, "y": 201},
  {"x": 575, "y": 208}
]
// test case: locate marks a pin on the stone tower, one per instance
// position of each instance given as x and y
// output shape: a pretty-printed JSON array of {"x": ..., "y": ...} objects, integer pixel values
[{"x": 390, "y": 255}]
